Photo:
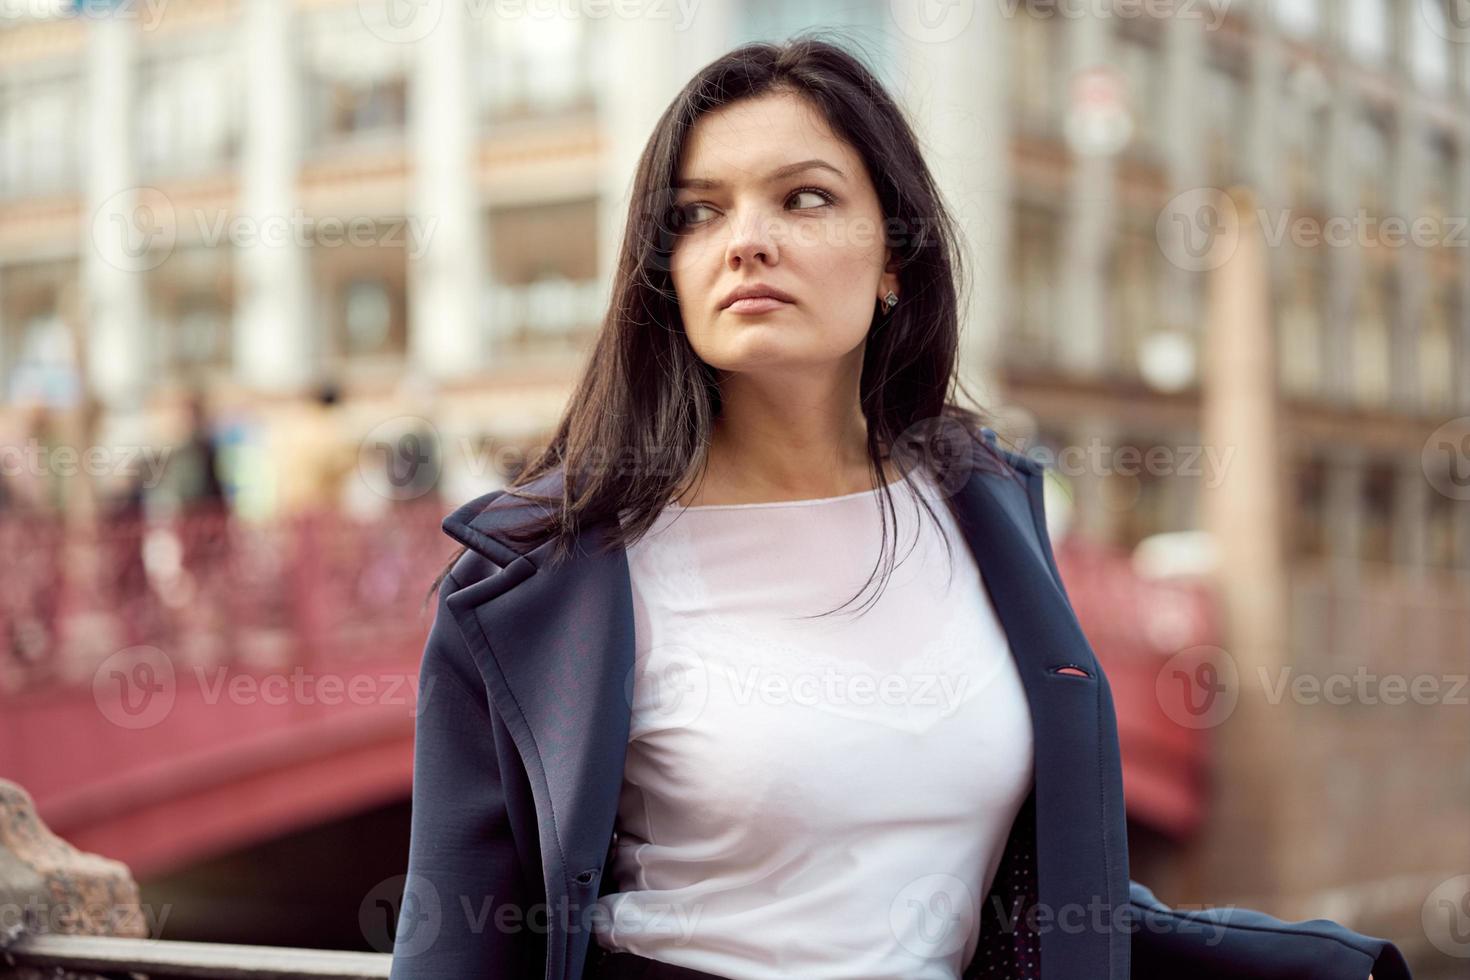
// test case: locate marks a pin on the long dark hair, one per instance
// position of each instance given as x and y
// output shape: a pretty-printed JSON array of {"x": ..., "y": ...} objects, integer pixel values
[{"x": 635, "y": 427}]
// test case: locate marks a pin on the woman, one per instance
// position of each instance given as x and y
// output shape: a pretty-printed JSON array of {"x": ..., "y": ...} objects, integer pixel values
[{"x": 648, "y": 745}]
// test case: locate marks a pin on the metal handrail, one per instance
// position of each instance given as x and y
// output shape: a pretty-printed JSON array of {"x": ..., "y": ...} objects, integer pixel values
[{"x": 163, "y": 959}]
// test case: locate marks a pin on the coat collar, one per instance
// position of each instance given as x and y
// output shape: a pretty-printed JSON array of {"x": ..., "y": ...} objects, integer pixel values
[{"x": 556, "y": 649}]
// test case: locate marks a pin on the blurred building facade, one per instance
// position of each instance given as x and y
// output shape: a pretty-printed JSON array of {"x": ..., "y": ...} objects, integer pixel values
[{"x": 262, "y": 197}]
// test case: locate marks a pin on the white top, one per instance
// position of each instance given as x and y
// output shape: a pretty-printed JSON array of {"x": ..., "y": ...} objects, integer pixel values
[{"x": 826, "y": 798}]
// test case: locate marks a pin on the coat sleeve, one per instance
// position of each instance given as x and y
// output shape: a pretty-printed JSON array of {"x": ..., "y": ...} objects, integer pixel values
[
  {"x": 465, "y": 909},
  {"x": 1236, "y": 944}
]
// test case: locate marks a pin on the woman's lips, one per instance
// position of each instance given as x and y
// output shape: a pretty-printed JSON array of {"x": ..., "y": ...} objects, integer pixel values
[{"x": 756, "y": 304}]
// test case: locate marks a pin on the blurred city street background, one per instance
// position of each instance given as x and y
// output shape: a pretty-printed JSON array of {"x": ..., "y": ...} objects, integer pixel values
[{"x": 283, "y": 282}]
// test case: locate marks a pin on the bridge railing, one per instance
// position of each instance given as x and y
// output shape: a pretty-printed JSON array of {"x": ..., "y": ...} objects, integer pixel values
[{"x": 212, "y": 588}]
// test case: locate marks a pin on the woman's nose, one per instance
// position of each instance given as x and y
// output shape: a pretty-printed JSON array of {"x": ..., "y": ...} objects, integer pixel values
[{"x": 754, "y": 237}]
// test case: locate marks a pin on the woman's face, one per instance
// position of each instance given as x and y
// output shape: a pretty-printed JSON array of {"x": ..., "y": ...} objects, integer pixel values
[{"x": 773, "y": 198}]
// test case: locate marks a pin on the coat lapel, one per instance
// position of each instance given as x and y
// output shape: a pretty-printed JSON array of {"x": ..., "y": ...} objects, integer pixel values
[
  {"x": 561, "y": 668},
  {"x": 1081, "y": 844}
]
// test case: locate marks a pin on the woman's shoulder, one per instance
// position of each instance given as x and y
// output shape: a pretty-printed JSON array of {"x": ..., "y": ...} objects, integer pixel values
[
  {"x": 484, "y": 524},
  {"x": 1016, "y": 460}
]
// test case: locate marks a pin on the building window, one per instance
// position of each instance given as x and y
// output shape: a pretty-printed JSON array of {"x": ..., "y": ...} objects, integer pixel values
[
  {"x": 1440, "y": 160},
  {"x": 1299, "y": 18},
  {"x": 1036, "y": 84},
  {"x": 1463, "y": 51},
  {"x": 40, "y": 144},
  {"x": 1035, "y": 255},
  {"x": 189, "y": 113},
  {"x": 1143, "y": 498},
  {"x": 1378, "y": 487},
  {"x": 535, "y": 65},
  {"x": 1443, "y": 534},
  {"x": 40, "y": 357},
  {"x": 1136, "y": 308},
  {"x": 44, "y": 370},
  {"x": 1225, "y": 118},
  {"x": 1136, "y": 55},
  {"x": 1438, "y": 351},
  {"x": 1372, "y": 334},
  {"x": 1368, "y": 30},
  {"x": 201, "y": 333},
  {"x": 190, "y": 298},
  {"x": 1308, "y": 527},
  {"x": 367, "y": 316},
  {"x": 354, "y": 108},
  {"x": 358, "y": 80},
  {"x": 1302, "y": 120},
  {"x": 1371, "y": 142},
  {"x": 1430, "y": 48},
  {"x": 1300, "y": 322},
  {"x": 544, "y": 289}
]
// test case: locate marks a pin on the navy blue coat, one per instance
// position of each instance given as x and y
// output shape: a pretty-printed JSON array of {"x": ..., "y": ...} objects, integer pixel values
[{"x": 524, "y": 712}]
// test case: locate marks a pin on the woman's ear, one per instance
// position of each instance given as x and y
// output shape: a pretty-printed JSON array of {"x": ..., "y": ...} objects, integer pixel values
[{"x": 888, "y": 282}]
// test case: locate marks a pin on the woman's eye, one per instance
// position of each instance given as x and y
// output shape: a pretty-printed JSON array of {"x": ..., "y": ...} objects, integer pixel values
[
  {"x": 819, "y": 197},
  {"x": 803, "y": 199},
  {"x": 691, "y": 213}
]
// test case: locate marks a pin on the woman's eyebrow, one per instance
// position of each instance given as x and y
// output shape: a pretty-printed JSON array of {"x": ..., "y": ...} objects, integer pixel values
[{"x": 780, "y": 173}]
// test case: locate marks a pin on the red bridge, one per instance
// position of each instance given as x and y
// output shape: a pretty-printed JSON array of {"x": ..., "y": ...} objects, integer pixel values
[{"x": 172, "y": 691}]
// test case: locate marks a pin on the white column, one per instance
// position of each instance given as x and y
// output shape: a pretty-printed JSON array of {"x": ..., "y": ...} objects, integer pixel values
[
  {"x": 649, "y": 60},
  {"x": 1459, "y": 203},
  {"x": 1184, "y": 56},
  {"x": 1261, "y": 160},
  {"x": 1406, "y": 200},
  {"x": 956, "y": 83},
  {"x": 446, "y": 247},
  {"x": 274, "y": 343},
  {"x": 1459, "y": 200},
  {"x": 123, "y": 231},
  {"x": 1340, "y": 193},
  {"x": 1262, "y": 152},
  {"x": 708, "y": 33},
  {"x": 1088, "y": 232}
]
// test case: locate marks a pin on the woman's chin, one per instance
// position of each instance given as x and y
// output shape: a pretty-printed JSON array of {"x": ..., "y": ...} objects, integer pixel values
[{"x": 763, "y": 342}]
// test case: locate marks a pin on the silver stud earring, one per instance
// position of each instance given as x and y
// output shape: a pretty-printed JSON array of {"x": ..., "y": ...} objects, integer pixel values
[{"x": 890, "y": 301}]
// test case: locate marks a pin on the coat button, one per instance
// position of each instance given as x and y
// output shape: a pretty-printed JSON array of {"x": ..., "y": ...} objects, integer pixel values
[{"x": 585, "y": 877}]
